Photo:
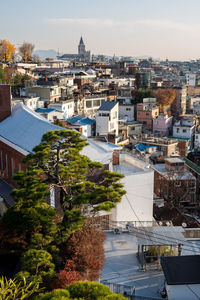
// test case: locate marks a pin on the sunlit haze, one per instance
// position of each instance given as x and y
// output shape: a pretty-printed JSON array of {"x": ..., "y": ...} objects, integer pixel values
[{"x": 158, "y": 28}]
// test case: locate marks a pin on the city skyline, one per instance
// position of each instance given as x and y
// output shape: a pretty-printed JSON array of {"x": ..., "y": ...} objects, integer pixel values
[{"x": 124, "y": 28}]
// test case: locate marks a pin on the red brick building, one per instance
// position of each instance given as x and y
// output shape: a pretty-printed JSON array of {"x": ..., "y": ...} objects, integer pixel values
[
  {"x": 173, "y": 182},
  {"x": 146, "y": 112}
]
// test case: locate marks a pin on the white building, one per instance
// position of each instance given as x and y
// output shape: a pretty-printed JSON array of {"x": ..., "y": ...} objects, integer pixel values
[
  {"x": 191, "y": 79},
  {"x": 184, "y": 128},
  {"x": 33, "y": 103},
  {"x": 107, "y": 118},
  {"x": 126, "y": 109},
  {"x": 197, "y": 137},
  {"x": 137, "y": 204},
  {"x": 66, "y": 107},
  {"x": 50, "y": 114}
]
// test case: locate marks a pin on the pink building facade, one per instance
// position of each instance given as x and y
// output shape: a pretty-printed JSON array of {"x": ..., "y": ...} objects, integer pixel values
[
  {"x": 146, "y": 112},
  {"x": 162, "y": 125}
]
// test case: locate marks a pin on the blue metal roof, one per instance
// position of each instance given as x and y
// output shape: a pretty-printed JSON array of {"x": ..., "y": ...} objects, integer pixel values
[
  {"x": 80, "y": 120},
  {"x": 141, "y": 147},
  {"x": 45, "y": 110}
]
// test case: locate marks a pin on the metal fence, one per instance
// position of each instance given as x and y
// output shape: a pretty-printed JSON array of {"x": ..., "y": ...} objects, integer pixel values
[{"x": 127, "y": 291}]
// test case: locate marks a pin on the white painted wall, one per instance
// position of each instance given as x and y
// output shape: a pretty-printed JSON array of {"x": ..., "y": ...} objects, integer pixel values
[
  {"x": 86, "y": 130},
  {"x": 183, "y": 131},
  {"x": 67, "y": 108},
  {"x": 51, "y": 116},
  {"x": 33, "y": 103},
  {"x": 183, "y": 292},
  {"x": 139, "y": 188},
  {"x": 109, "y": 123}
]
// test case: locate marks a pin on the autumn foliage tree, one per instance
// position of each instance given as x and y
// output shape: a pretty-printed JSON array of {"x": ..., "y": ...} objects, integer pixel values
[
  {"x": 164, "y": 97},
  {"x": 84, "y": 257},
  {"x": 7, "y": 51},
  {"x": 25, "y": 51},
  {"x": 85, "y": 249}
]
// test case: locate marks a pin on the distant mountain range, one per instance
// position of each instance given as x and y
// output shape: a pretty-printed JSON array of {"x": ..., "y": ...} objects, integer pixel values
[{"x": 46, "y": 53}]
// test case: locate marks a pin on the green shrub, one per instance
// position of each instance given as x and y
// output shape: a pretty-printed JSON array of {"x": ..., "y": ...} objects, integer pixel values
[
  {"x": 88, "y": 290},
  {"x": 59, "y": 294}
]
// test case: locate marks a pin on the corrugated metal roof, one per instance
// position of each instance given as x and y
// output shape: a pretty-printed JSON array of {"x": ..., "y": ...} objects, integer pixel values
[
  {"x": 25, "y": 127},
  {"x": 160, "y": 235}
]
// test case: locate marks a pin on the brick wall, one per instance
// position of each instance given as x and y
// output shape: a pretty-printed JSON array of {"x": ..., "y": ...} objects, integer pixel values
[
  {"x": 115, "y": 157},
  {"x": 10, "y": 162},
  {"x": 5, "y": 101}
]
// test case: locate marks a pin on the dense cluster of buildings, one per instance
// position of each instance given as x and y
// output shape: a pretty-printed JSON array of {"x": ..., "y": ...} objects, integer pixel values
[{"x": 113, "y": 103}]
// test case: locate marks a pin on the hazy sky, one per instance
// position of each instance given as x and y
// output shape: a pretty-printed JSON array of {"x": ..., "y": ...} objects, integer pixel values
[{"x": 157, "y": 28}]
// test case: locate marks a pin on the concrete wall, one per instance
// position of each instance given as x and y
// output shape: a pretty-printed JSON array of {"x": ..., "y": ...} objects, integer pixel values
[
  {"x": 126, "y": 112},
  {"x": 183, "y": 292}
]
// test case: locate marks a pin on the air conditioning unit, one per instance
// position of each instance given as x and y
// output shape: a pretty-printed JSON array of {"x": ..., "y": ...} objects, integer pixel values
[
  {"x": 117, "y": 230},
  {"x": 129, "y": 226}
]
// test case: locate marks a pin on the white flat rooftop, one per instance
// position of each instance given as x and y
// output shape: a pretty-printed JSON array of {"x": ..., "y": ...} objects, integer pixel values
[{"x": 126, "y": 168}]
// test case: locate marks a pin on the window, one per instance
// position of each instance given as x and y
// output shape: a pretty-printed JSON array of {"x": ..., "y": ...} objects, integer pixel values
[
  {"x": 128, "y": 109},
  {"x": 6, "y": 165},
  {"x": 103, "y": 115},
  {"x": 177, "y": 183},
  {"x": 184, "y": 130},
  {"x": 177, "y": 130},
  {"x": 96, "y": 103},
  {"x": 196, "y": 137},
  {"x": 12, "y": 166},
  {"x": 147, "y": 114},
  {"x": 89, "y": 104},
  {"x": 52, "y": 196},
  {"x": 144, "y": 122},
  {"x": 20, "y": 167}
]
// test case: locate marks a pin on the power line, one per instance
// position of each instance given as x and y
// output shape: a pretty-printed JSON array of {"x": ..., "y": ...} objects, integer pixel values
[{"x": 153, "y": 238}]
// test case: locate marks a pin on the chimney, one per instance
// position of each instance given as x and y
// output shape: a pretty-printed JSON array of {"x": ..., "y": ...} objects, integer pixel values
[
  {"x": 5, "y": 101},
  {"x": 115, "y": 157}
]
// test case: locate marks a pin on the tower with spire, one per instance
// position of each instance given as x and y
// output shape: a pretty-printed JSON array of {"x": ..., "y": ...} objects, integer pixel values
[{"x": 81, "y": 48}]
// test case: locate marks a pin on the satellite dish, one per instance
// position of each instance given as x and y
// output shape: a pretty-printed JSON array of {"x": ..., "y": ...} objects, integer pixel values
[{"x": 184, "y": 225}]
